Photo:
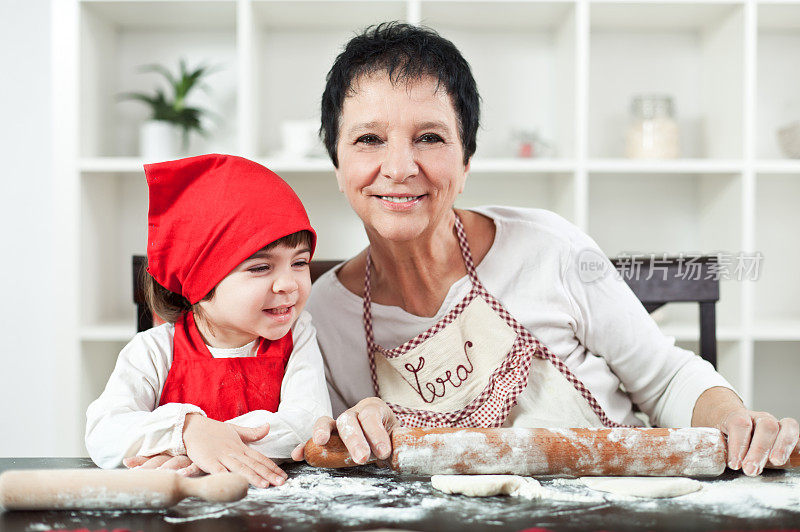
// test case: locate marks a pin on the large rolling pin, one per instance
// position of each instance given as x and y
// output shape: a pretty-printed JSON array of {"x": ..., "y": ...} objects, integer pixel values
[
  {"x": 87, "y": 489},
  {"x": 691, "y": 452}
]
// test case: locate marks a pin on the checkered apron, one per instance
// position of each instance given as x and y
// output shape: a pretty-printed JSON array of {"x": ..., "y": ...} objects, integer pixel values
[{"x": 469, "y": 368}]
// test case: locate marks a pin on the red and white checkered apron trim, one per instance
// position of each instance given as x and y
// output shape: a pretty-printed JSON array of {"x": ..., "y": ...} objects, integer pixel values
[{"x": 493, "y": 405}]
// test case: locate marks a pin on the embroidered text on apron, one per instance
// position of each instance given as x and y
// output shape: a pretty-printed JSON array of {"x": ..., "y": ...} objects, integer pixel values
[
  {"x": 468, "y": 369},
  {"x": 224, "y": 388}
]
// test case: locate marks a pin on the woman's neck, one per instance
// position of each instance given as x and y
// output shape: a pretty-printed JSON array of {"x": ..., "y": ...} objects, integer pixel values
[{"x": 416, "y": 275}]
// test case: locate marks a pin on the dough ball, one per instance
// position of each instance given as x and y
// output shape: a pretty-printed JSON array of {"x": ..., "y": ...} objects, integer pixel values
[
  {"x": 485, "y": 485},
  {"x": 655, "y": 487}
]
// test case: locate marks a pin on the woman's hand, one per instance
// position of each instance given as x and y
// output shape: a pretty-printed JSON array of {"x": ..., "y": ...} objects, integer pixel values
[
  {"x": 216, "y": 447},
  {"x": 755, "y": 439},
  {"x": 364, "y": 428}
]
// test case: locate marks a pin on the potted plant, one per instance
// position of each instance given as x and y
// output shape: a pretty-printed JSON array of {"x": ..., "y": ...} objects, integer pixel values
[{"x": 171, "y": 120}]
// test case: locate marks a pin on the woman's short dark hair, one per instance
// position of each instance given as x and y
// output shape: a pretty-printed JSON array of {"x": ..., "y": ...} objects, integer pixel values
[
  {"x": 406, "y": 53},
  {"x": 170, "y": 306}
]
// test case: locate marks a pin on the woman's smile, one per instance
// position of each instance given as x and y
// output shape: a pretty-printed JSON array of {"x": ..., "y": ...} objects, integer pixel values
[{"x": 400, "y": 203}]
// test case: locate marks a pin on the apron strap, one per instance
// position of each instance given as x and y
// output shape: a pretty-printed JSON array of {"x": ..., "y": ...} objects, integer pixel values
[{"x": 469, "y": 264}]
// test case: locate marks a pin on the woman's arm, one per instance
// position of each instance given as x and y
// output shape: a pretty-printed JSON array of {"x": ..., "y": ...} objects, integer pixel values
[
  {"x": 672, "y": 385},
  {"x": 754, "y": 438}
]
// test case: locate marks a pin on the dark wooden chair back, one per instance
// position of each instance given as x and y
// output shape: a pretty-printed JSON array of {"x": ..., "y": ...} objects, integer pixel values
[
  {"x": 658, "y": 281},
  {"x": 655, "y": 282}
]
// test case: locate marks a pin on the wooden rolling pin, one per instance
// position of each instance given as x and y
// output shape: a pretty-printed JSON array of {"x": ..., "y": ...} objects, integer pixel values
[
  {"x": 690, "y": 452},
  {"x": 87, "y": 489}
]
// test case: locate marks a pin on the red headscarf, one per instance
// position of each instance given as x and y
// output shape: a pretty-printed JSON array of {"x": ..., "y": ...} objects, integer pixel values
[{"x": 210, "y": 213}]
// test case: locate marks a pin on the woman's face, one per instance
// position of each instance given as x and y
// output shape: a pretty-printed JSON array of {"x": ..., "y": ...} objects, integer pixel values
[{"x": 400, "y": 157}]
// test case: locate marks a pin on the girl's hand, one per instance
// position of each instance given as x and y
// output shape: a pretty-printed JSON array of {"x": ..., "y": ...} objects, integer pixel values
[
  {"x": 159, "y": 461},
  {"x": 364, "y": 428},
  {"x": 216, "y": 447}
]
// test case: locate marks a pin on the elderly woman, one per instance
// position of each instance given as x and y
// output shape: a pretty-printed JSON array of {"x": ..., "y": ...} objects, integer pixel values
[{"x": 479, "y": 317}]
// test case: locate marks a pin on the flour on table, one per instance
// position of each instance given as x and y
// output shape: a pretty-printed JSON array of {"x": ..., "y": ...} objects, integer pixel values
[{"x": 652, "y": 487}]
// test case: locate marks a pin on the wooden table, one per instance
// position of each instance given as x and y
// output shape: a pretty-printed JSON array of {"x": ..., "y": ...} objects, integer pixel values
[{"x": 369, "y": 498}]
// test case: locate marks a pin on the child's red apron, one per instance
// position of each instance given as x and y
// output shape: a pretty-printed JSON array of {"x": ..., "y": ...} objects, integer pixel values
[
  {"x": 224, "y": 388},
  {"x": 468, "y": 369}
]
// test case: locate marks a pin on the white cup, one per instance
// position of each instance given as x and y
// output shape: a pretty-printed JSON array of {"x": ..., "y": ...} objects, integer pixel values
[{"x": 299, "y": 137}]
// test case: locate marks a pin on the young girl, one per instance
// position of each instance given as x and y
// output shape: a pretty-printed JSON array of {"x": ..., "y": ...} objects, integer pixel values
[{"x": 235, "y": 375}]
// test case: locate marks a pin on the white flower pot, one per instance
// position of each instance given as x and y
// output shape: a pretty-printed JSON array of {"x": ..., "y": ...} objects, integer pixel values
[{"x": 159, "y": 141}]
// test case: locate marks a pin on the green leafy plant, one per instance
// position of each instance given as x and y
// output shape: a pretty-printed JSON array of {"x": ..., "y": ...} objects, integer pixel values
[{"x": 172, "y": 108}]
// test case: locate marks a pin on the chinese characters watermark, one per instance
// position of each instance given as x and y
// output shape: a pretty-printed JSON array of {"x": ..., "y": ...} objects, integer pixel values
[{"x": 739, "y": 266}]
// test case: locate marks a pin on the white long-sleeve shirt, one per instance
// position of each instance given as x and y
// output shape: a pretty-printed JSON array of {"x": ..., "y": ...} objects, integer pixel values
[
  {"x": 127, "y": 421},
  {"x": 599, "y": 329}
]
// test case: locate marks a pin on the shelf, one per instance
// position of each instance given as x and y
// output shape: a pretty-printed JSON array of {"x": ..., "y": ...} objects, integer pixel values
[
  {"x": 566, "y": 69},
  {"x": 777, "y": 292},
  {"x": 113, "y": 225},
  {"x": 779, "y": 15},
  {"x": 117, "y": 38},
  {"x": 522, "y": 166},
  {"x": 778, "y": 82},
  {"x": 133, "y": 165},
  {"x": 659, "y": 213},
  {"x": 165, "y": 14},
  {"x": 523, "y": 57},
  {"x": 325, "y": 15},
  {"x": 776, "y": 330},
  {"x": 778, "y": 166},
  {"x": 105, "y": 165},
  {"x": 690, "y": 332},
  {"x": 665, "y": 166},
  {"x": 693, "y": 53},
  {"x": 117, "y": 331},
  {"x": 278, "y": 163},
  {"x": 492, "y": 15},
  {"x": 775, "y": 370},
  {"x": 554, "y": 191},
  {"x": 646, "y": 15}
]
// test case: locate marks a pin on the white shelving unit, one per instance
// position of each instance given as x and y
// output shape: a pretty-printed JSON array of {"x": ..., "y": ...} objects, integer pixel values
[{"x": 565, "y": 68}]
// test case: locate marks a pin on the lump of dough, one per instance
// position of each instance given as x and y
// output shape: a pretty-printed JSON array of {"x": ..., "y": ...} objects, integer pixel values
[
  {"x": 656, "y": 487},
  {"x": 487, "y": 485}
]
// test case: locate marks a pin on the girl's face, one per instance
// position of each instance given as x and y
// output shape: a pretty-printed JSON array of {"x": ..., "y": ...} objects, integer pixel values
[
  {"x": 400, "y": 157},
  {"x": 262, "y": 297}
]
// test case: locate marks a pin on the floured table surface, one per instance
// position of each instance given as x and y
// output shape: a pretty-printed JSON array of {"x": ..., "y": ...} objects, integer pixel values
[{"x": 369, "y": 498}]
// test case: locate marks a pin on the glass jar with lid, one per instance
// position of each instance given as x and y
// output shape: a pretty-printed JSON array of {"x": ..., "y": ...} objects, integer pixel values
[{"x": 652, "y": 132}]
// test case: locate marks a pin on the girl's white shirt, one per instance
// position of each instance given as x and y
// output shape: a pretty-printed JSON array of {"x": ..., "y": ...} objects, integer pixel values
[
  {"x": 597, "y": 327},
  {"x": 127, "y": 421}
]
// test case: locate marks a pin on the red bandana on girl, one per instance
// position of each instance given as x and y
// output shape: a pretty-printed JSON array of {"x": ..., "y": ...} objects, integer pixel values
[{"x": 207, "y": 215}]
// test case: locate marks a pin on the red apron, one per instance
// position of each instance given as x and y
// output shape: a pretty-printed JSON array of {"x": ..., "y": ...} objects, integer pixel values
[{"x": 224, "y": 387}]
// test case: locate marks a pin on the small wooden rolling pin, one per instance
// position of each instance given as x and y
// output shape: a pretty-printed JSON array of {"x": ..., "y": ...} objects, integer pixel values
[
  {"x": 690, "y": 452},
  {"x": 88, "y": 489}
]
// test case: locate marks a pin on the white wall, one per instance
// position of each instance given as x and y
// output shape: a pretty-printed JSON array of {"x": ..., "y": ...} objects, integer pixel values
[{"x": 27, "y": 269}]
